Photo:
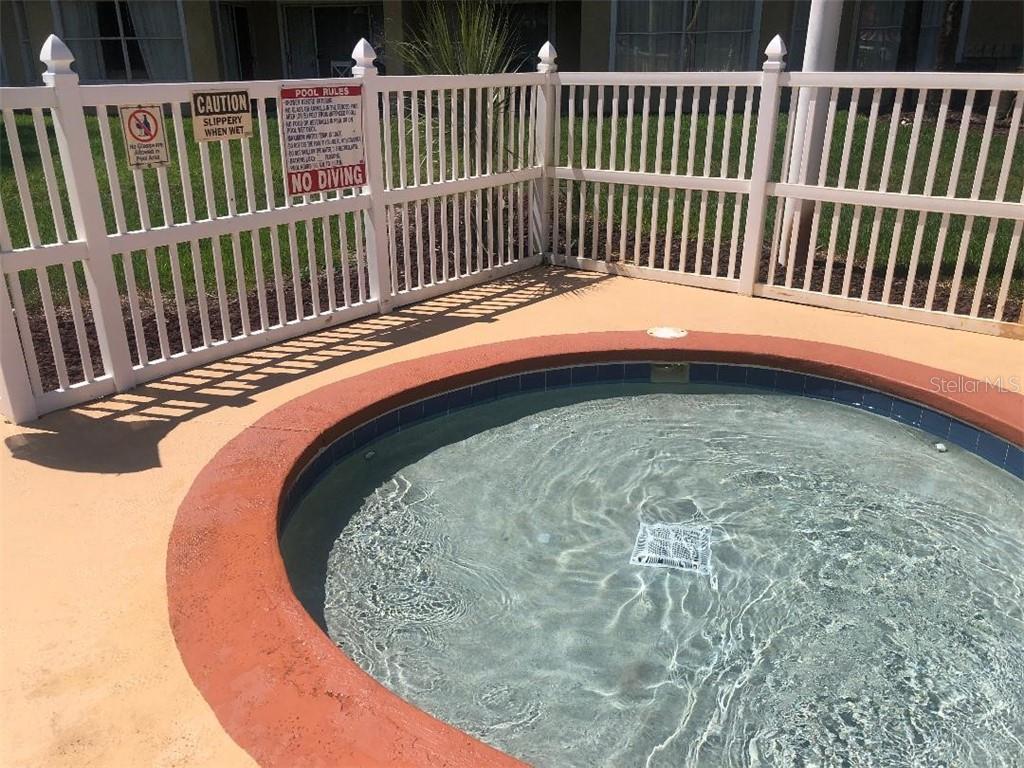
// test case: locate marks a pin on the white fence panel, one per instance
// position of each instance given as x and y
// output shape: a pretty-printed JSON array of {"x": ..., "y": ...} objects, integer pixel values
[
  {"x": 458, "y": 169},
  {"x": 652, "y": 174},
  {"x": 919, "y": 217}
]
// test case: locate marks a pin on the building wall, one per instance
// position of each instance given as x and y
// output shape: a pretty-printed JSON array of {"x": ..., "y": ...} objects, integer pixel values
[{"x": 993, "y": 37}]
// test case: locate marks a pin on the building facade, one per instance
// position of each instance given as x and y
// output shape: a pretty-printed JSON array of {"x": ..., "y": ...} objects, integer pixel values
[{"x": 205, "y": 40}]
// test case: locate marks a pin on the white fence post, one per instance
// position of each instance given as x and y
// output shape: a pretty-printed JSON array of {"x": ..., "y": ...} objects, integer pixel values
[
  {"x": 378, "y": 260},
  {"x": 764, "y": 145},
  {"x": 84, "y": 197},
  {"x": 540, "y": 207}
]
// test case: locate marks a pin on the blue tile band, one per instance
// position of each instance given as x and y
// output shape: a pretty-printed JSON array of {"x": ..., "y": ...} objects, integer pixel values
[{"x": 989, "y": 447}]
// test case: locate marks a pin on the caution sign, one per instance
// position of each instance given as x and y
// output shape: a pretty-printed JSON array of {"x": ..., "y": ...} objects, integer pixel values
[
  {"x": 322, "y": 132},
  {"x": 144, "y": 136},
  {"x": 220, "y": 115}
]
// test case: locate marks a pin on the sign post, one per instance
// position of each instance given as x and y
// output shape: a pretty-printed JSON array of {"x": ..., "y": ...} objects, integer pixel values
[
  {"x": 321, "y": 129},
  {"x": 144, "y": 138}
]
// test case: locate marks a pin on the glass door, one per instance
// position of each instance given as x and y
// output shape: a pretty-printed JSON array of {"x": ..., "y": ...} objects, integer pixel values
[{"x": 300, "y": 37}]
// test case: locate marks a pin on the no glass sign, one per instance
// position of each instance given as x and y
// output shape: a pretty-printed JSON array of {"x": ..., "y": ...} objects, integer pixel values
[{"x": 144, "y": 136}]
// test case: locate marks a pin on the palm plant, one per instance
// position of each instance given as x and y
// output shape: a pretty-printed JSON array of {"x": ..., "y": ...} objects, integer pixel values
[
  {"x": 466, "y": 38},
  {"x": 480, "y": 39}
]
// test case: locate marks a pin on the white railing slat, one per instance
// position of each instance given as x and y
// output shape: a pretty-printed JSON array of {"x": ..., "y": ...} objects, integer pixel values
[
  {"x": 791, "y": 230},
  {"x": 908, "y": 172},
  {"x": 659, "y": 150},
  {"x": 979, "y": 177},
  {"x": 21, "y": 180},
  {"x": 954, "y": 176},
  {"x": 627, "y": 165},
  {"x": 777, "y": 228},
  {"x": 584, "y": 160},
  {"x": 876, "y": 225},
  {"x": 702, "y": 217},
  {"x": 690, "y": 156},
  {"x": 1012, "y": 255},
  {"x": 677, "y": 124},
  {"x": 922, "y": 218},
  {"x": 1000, "y": 194},
  {"x": 598, "y": 163},
  {"x": 431, "y": 156}
]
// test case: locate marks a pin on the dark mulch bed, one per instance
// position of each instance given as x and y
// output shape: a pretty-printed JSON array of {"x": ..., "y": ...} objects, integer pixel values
[
  {"x": 472, "y": 263},
  {"x": 919, "y": 289},
  {"x": 148, "y": 311}
]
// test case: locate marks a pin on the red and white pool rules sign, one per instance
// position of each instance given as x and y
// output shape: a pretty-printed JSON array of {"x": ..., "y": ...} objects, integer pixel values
[{"x": 322, "y": 128}]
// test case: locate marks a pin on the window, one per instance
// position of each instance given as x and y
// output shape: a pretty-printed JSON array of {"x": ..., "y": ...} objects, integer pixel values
[
  {"x": 722, "y": 35},
  {"x": 877, "y": 39},
  {"x": 236, "y": 42},
  {"x": 532, "y": 22},
  {"x": 649, "y": 36},
  {"x": 928, "y": 41},
  {"x": 884, "y": 27},
  {"x": 25, "y": 73},
  {"x": 126, "y": 39},
  {"x": 709, "y": 35},
  {"x": 318, "y": 39}
]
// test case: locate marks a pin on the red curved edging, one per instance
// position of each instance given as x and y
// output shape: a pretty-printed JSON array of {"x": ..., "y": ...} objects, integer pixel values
[{"x": 277, "y": 683}]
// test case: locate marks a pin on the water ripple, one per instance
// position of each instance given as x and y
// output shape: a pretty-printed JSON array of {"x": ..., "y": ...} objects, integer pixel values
[{"x": 866, "y": 604}]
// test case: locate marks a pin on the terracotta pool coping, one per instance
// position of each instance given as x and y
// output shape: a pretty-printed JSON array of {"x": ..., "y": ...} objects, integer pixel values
[{"x": 278, "y": 685}]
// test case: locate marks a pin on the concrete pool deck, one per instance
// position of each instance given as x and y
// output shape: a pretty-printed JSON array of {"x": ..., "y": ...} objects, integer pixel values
[{"x": 89, "y": 495}]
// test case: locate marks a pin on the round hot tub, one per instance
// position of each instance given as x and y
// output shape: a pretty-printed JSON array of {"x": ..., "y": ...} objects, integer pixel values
[{"x": 615, "y": 550}]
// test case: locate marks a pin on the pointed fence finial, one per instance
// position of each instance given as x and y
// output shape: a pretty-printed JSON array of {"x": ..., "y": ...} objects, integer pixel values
[
  {"x": 364, "y": 55},
  {"x": 547, "y": 56},
  {"x": 56, "y": 56},
  {"x": 776, "y": 55}
]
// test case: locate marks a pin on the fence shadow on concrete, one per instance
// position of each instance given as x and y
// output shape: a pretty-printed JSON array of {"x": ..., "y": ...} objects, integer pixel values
[{"x": 122, "y": 433}]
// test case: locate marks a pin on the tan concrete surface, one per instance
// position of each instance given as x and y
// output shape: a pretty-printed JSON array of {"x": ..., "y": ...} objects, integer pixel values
[{"x": 89, "y": 672}]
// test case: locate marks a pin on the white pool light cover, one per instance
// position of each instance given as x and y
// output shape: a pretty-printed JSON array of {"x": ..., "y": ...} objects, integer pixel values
[
  {"x": 666, "y": 332},
  {"x": 673, "y": 545}
]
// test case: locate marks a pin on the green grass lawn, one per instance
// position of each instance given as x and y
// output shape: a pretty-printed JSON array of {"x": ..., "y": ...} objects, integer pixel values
[{"x": 651, "y": 215}]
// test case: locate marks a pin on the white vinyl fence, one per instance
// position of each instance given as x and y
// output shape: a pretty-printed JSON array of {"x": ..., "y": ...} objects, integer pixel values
[
  {"x": 896, "y": 205},
  {"x": 114, "y": 276}
]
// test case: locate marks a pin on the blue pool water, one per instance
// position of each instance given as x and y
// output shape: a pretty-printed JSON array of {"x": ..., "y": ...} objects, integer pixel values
[{"x": 864, "y": 606}]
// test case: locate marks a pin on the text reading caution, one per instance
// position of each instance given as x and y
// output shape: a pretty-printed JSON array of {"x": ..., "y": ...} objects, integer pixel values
[
  {"x": 322, "y": 128},
  {"x": 144, "y": 137},
  {"x": 218, "y": 115}
]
